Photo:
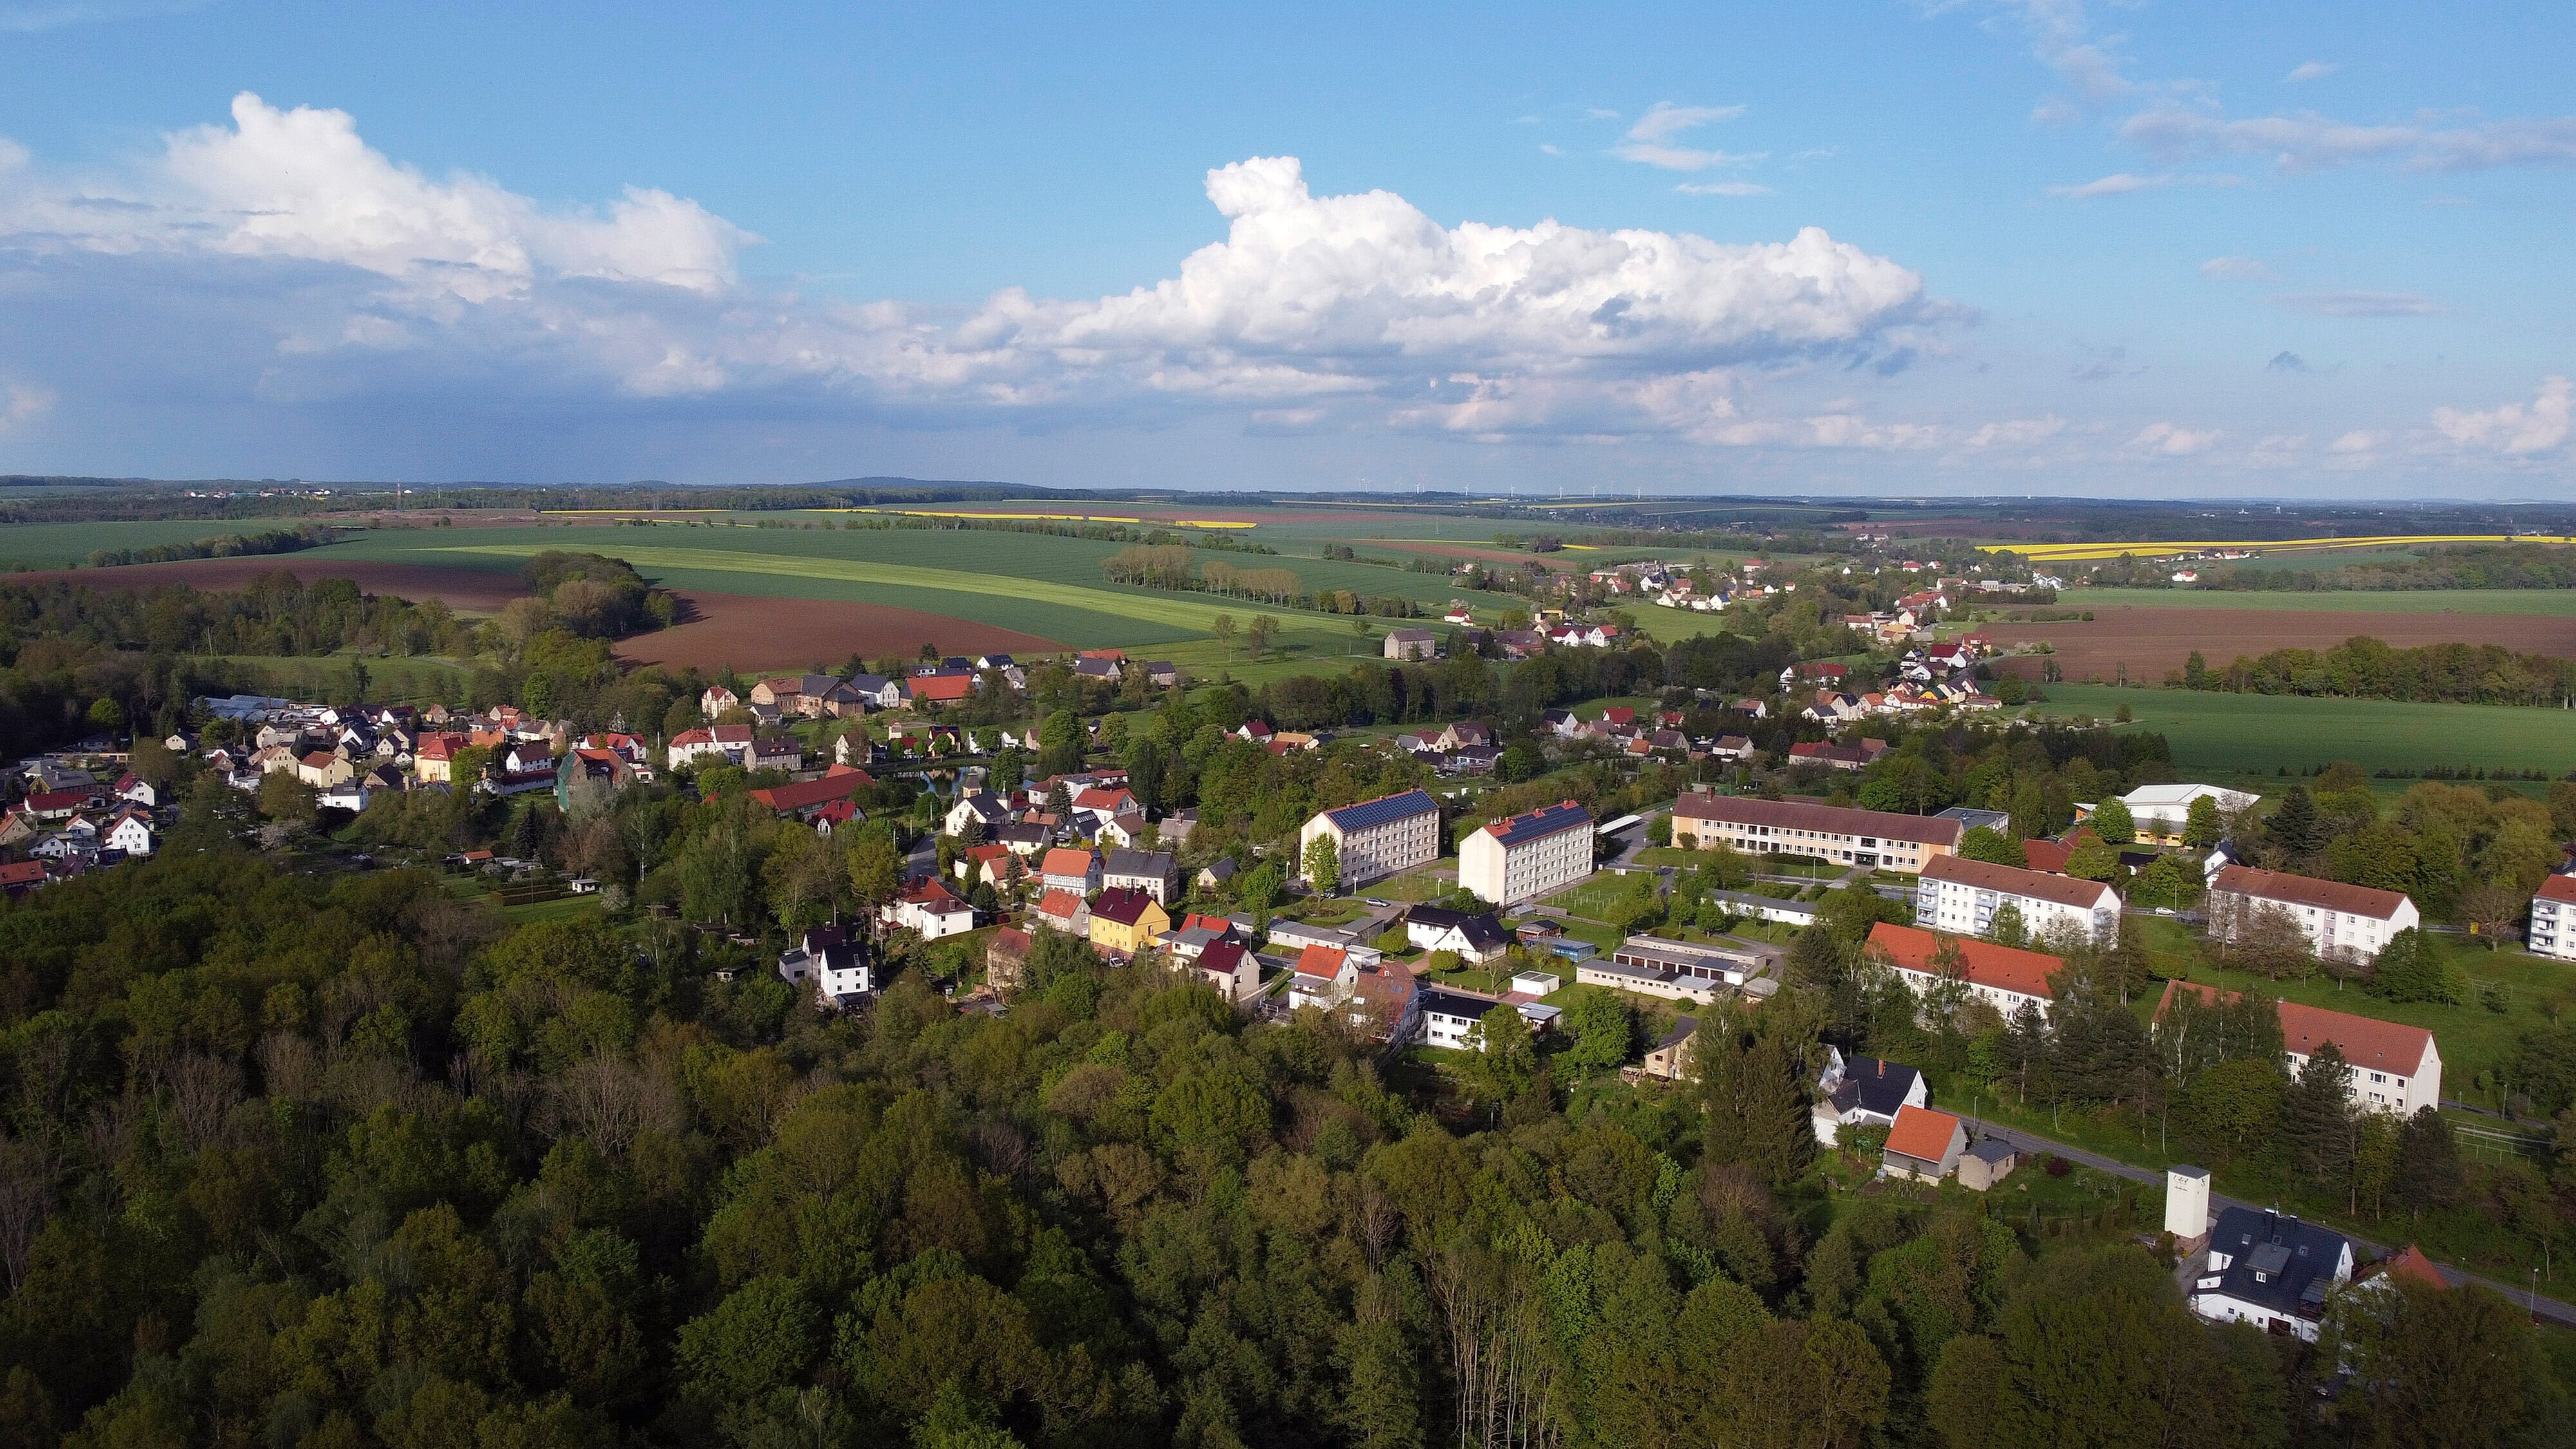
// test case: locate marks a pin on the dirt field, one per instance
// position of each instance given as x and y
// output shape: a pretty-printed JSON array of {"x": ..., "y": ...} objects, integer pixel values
[
  {"x": 1503, "y": 556},
  {"x": 471, "y": 591},
  {"x": 2151, "y": 641},
  {"x": 752, "y": 633}
]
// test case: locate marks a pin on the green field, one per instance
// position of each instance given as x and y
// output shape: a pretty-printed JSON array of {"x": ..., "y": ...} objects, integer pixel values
[
  {"x": 2254, "y": 734},
  {"x": 69, "y": 545},
  {"x": 398, "y": 680},
  {"x": 2358, "y": 601}
]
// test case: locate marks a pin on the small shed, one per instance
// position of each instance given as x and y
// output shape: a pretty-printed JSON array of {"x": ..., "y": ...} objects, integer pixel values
[{"x": 1988, "y": 1161}]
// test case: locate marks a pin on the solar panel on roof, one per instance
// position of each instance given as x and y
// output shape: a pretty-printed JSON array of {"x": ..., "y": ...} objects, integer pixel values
[{"x": 1380, "y": 811}]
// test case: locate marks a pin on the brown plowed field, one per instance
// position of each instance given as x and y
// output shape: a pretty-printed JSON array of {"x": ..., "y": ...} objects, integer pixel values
[
  {"x": 2151, "y": 641},
  {"x": 750, "y": 633},
  {"x": 1474, "y": 551},
  {"x": 472, "y": 591}
]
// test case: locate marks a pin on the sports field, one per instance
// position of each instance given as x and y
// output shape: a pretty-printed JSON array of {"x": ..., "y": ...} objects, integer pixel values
[{"x": 2254, "y": 734}]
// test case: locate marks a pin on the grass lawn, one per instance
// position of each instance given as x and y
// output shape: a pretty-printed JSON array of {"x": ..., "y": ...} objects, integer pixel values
[
  {"x": 1422, "y": 884},
  {"x": 2258, "y": 734},
  {"x": 2359, "y": 601},
  {"x": 401, "y": 680},
  {"x": 1592, "y": 896}
]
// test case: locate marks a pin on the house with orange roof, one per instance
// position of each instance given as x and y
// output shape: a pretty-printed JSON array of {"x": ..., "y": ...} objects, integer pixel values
[
  {"x": 1068, "y": 869},
  {"x": 1062, "y": 910},
  {"x": 1924, "y": 1144},
  {"x": 2552, "y": 929},
  {"x": 2006, "y": 976}
]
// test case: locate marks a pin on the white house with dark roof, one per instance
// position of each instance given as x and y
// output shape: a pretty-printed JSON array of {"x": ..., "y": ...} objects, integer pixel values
[
  {"x": 1475, "y": 936},
  {"x": 1863, "y": 1091},
  {"x": 2271, "y": 1271}
]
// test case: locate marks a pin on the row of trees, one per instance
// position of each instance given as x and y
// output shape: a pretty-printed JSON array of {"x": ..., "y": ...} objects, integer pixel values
[{"x": 2365, "y": 668}]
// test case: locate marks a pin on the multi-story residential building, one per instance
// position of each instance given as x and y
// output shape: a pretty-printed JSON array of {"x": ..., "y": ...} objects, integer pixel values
[
  {"x": 2005, "y": 976},
  {"x": 1155, "y": 872},
  {"x": 1377, "y": 838},
  {"x": 1512, "y": 860},
  {"x": 1961, "y": 896},
  {"x": 2395, "y": 1068},
  {"x": 2342, "y": 922},
  {"x": 1837, "y": 833},
  {"x": 2553, "y": 919}
]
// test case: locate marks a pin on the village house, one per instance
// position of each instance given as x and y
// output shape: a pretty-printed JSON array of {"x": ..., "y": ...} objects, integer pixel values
[
  {"x": 1063, "y": 910},
  {"x": 1006, "y": 958},
  {"x": 2004, "y": 976},
  {"x": 2341, "y": 922},
  {"x": 2271, "y": 1271},
  {"x": 1923, "y": 1144},
  {"x": 719, "y": 744},
  {"x": 1231, "y": 968},
  {"x": 716, "y": 700},
  {"x": 1155, "y": 872},
  {"x": 1702, "y": 817},
  {"x": 1506, "y": 861},
  {"x": 930, "y": 909},
  {"x": 1863, "y": 1092},
  {"x": 1669, "y": 1058},
  {"x": 1411, "y": 644},
  {"x": 983, "y": 808},
  {"x": 1961, "y": 896},
  {"x": 1476, "y": 936},
  {"x": 835, "y": 966},
  {"x": 1446, "y": 1016},
  {"x": 1377, "y": 838},
  {"x": 1068, "y": 869},
  {"x": 1125, "y": 921}
]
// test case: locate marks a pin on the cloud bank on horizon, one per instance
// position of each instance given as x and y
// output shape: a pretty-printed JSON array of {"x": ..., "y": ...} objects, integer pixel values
[{"x": 278, "y": 281}]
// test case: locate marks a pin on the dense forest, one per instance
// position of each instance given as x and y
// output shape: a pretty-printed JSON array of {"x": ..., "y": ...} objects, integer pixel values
[
  {"x": 2365, "y": 668},
  {"x": 324, "y": 1160}
]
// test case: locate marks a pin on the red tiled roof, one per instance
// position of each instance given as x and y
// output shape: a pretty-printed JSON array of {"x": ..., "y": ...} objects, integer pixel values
[
  {"x": 932, "y": 893},
  {"x": 2304, "y": 890},
  {"x": 2002, "y": 967},
  {"x": 1065, "y": 860},
  {"x": 22, "y": 872},
  {"x": 1828, "y": 819},
  {"x": 1122, "y": 904},
  {"x": 2047, "y": 855},
  {"x": 1323, "y": 961},
  {"x": 1222, "y": 957},
  {"x": 1922, "y": 1133},
  {"x": 2365, "y": 1041},
  {"x": 1009, "y": 941},
  {"x": 2558, "y": 888},
  {"x": 1059, "y": 905},
  {"x": 943, "y": 688},
  {"x": 2408, "y": 1262},
  {"x": 803, "y": 793},
  {"x": 1983, "y": 875}
]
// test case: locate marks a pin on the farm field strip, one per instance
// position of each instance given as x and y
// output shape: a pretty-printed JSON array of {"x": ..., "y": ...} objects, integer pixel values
[
  {"x": 1053, "y": 517},
  {"x": 2257, "y": 734},
  {"x": 1181, "y": 612},
  {"x": 2088, "y": 552},
  {"x": 2354, "y": 601},
  {"x": 64, "y": 545}
]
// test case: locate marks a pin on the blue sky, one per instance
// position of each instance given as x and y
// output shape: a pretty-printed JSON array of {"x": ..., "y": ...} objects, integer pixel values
[{"x": 2150, "y": 249}]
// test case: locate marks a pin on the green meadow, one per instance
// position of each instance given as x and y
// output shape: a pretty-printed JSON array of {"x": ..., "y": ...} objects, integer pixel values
[{"x": 2256, "y": 734}]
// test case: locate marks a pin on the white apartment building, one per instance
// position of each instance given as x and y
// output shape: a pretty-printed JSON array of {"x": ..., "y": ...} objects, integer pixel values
[
  {"x": 2395, "y": 1068},
  {"x": 1961, "y": 896},
  {"x": 2345, "y": 922},
  {"x": 1377, "y": 838},
  {"x": 2552, "y": 931},
  {"x": 1527, "y": 855},
  {"x": 1829, "y": 832}
]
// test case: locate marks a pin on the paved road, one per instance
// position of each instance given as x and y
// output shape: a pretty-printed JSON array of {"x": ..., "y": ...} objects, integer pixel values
[{"x": 2556, "y": 1312}]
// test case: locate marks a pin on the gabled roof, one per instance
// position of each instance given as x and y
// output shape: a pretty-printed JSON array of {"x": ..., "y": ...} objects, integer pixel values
[
  {"x": 1383, "y": 809},
  {"x": 2557, "y": 888},
  {"x": 1828, "y": 819},
  {"x": 1064, "y": 860},
  {"x": 1059, "y": 904},
  {"x": 1922, "y": 1134},
  {"x": 2365, "y": 1041},
  {"x": 2276, "y": 1262},
  {"x": 1479, "y": 927},
  {"x": 1876, "y": 1087},
  {"x": 931, "y": 895},
  {"x": 1321, "y": 961},
  {"x": 1157, "y": 863},
  {"x": 2064, "y": 890},
  {"x": 943, "y": 688},
  {"x": 806, "y": 793},
  {"x": 1222, "y": 956},
  {"x": 2004, "y": 968},
  {"x": 1122, "y": 904},
  {"x": 1009, "y": 941},
  {"x": 2302, "y": 890}
]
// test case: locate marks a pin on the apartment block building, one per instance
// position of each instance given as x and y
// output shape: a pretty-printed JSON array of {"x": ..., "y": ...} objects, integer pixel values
[
  {"x": 1527, "y": 855},
  {"x": 1837, "y": 833},
  {"x": 2342, "y": 922},
  {"x": 1377, "y": 838},
  {"x": 1961, "y": 896}
]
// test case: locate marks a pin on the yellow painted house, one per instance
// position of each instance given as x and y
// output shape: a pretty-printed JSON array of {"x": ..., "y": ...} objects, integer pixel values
[{"x": 1127, "y": 921}]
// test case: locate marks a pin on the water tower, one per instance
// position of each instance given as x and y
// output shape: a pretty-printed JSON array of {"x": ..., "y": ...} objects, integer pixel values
[{"x": 2187, "y": 1208}]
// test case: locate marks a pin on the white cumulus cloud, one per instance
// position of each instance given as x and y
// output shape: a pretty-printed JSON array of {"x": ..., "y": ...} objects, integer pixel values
[
  {"x": 2515, "y": 429},
  {"x": 2171, "y": 441}
]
